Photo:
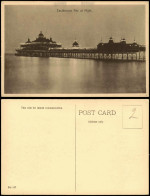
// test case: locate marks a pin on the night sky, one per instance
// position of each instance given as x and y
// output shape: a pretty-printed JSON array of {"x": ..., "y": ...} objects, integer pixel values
[{"x": 101, "y": 21}]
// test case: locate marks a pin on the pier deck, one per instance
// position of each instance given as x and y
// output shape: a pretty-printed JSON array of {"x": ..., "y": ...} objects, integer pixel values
[{"x": 85, "y": 54}]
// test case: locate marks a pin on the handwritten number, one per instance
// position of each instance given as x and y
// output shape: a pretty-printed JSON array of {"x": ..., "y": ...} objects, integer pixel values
[{"x": 133, "y": 112}]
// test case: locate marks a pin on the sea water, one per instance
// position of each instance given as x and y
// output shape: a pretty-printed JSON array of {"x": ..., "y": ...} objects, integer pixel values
[{"x": 41, "y": 75}]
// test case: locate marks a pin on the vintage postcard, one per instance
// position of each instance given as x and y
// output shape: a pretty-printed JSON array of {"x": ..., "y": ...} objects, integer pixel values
[
  {"x": 75, "y": 147},
  {"x": 75, "y": 49}
]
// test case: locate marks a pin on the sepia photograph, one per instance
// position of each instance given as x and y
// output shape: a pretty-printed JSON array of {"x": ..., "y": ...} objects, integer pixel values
[{"x": 75, "y": 49}]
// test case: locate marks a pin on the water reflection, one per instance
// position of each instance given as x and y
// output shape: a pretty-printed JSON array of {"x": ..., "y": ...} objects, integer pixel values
[{"x": 60, "y": 75}]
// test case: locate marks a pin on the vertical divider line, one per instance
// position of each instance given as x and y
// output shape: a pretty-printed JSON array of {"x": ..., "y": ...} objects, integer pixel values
[{"x": 75, "y": 148}]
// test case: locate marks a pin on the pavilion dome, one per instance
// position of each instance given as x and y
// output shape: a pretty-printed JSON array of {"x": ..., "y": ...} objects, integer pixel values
[
  {"x": 75, "y": 44},
  {"x": 123, "y": 40},
  {"x": 111, "y": 40},
  {"x": 41, "y": 35}
]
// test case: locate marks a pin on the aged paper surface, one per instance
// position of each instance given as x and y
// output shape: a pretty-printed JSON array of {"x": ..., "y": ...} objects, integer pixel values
[
  {"x": 75, "y": 146},
  {"x": 90, "y": 23}
]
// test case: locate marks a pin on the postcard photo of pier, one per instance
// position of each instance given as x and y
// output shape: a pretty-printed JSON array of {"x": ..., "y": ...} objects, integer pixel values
[{"x": 89, "y": 49}]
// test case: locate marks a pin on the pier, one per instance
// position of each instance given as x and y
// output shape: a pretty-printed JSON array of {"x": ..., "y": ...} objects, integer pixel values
[{"x": 114, "y": 51}]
